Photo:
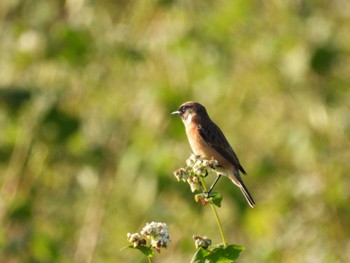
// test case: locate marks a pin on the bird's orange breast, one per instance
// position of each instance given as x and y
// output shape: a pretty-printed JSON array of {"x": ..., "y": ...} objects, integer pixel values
[{"x": 201, "y": 147}]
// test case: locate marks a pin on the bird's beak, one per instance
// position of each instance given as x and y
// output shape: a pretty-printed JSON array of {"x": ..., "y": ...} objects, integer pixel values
[{"x": 176, "y": 113}]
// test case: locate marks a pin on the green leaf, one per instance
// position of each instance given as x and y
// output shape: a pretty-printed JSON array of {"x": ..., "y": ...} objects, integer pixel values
[
  {"x": 199, "y": 256},
  {"x": 147, "y": 251},
  {"x": 214, "y": 198},
  {"x": 219, "y": 254}
]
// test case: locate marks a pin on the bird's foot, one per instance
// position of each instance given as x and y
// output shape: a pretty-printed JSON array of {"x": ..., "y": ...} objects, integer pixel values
[{"x": 207, "y": 194}]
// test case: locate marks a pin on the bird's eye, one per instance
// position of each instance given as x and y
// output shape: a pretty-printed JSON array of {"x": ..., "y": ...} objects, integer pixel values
[{"x": 183, "y": 108}]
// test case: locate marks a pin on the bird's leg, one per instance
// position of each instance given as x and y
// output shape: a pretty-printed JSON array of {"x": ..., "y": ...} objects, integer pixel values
[{"x": 212, "y": 186}]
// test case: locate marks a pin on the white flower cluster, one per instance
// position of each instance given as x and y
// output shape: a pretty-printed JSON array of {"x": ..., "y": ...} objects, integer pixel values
[
  {"x": 136, "y": 239},
  {"x": 201, "y": 166},
  {"x": 196, "y": 167},
  {"x": 157, "y": 233}
]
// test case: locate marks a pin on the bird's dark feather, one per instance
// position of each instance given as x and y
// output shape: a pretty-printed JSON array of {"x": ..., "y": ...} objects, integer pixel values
[{"x": 214, "y": 137}]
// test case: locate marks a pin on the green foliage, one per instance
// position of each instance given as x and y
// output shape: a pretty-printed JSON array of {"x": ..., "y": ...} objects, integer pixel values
[
  {"x": 147, "y": 251},
  {"x": 14, "y": 98},
  {"x": 70, "y": 45},
  {"x": 219, "y": 254},
  {"x": 323, "y": 59},
  {"x": 214, "y": 198}
]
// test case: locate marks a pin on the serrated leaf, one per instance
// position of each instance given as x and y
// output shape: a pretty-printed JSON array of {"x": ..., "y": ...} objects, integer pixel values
[{"x": 219, "y": 254}]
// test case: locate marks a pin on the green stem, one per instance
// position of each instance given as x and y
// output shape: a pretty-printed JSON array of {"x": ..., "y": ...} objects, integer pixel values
[
  {"x": 215, "y": 214},
  {"x": 219, "y": 224},
  {"x": 149, "y": 259}
]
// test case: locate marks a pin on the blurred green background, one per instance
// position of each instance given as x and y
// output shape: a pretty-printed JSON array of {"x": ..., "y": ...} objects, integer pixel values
[{"x": 88, "y": 145}]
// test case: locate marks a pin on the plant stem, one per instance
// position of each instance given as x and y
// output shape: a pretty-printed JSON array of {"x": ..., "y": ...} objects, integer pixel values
[
  {"x": 149, "y": 259},
  {"x": 215, "y": 214},
  {"x": 219, "y": 224}
]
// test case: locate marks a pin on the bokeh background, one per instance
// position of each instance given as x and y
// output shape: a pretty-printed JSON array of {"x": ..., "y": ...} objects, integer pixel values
[{"x": 88, "y": 145}]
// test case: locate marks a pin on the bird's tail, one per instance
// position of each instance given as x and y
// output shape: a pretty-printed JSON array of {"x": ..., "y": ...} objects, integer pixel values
[
  {"x": 236, "y": 179},
  {"x": 247, "y": 195}
]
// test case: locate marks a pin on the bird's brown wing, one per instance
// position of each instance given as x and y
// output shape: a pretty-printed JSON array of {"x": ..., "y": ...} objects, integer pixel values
[{"x": 214, "y": 137}]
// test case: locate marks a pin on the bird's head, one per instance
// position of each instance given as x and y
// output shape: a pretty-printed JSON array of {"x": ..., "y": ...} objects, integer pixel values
[{"x": 190, "y": 109}]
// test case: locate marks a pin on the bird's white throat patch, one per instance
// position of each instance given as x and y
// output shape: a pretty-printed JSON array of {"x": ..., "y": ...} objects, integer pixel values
[{"x": 188, "y": 120}]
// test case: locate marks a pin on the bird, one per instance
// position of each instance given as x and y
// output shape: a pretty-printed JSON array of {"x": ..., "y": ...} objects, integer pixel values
[{"x": 207, "y": 140}]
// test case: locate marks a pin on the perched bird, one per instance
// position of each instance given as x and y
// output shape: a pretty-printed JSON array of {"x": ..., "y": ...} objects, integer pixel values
[{"x": 207, "y": 140}]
